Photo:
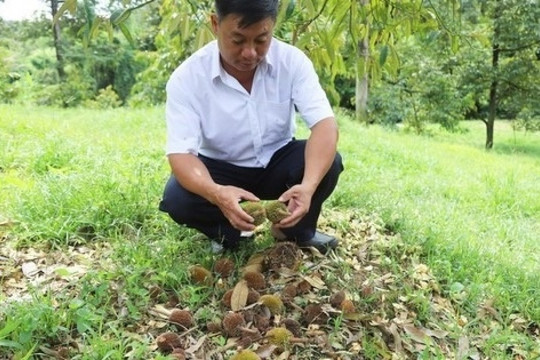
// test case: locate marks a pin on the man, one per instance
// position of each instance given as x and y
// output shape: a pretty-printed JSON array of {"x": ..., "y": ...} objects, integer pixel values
[{"x": 230, "y": 126}]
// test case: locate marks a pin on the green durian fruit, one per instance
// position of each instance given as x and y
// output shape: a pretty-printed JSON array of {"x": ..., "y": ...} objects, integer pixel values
[
  {"x": 256, "y": 210},
  {"x": 245, "y": 355},
  {"x": 276, "y": 211}
]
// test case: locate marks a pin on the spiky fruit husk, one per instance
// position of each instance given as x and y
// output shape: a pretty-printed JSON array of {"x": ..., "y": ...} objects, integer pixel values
[
  {"x": 213, "y": 327},
  {"x": 256, "y": 210},
  {"x": 283, "y": 254},
  {"x": 289, "y": 292},
  {"x": 303, "y": 287},
  {"x": 337, "y": 298},
  {"x": 224, "y": 267},
  {"x": 182, "y": 318},
  {"x": 261, "y": 322},
  {"x": 255, "y": 280},
  {"x": 226, "y": 299},
  {"x": 293, "y": 326},
  {"x": 178, "y": 354},
  {"x": 276, "y": 211},
  {"x": 273, "y": 303},
  {"x": 232, "y": 322},
  {"x": 279, "y": 336},
  {"x": 200, "y": 275},
  {"x": 245, "y": 355},
  {"x": 168, "y": 341},
  {"x": 313, "y": 313},
  {"x": 253, "y": 297}
]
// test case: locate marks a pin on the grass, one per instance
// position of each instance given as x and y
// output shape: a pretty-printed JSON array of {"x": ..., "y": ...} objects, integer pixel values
[{"x": 80, "y": 182}]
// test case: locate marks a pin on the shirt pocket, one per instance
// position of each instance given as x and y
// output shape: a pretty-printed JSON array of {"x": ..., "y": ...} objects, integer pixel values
[{"x": 277, "y": 122}]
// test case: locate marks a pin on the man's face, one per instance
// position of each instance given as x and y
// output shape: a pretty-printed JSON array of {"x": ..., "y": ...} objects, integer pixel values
[{"x": 242, "y": 49}]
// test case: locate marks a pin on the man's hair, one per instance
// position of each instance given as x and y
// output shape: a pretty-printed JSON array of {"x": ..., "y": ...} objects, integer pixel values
[{"x": 250, "y": 11}]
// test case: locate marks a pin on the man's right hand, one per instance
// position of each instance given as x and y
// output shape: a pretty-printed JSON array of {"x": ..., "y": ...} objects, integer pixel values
[
  {"x": 191, "y": 172},
  {"x": 228, "y": 198}
]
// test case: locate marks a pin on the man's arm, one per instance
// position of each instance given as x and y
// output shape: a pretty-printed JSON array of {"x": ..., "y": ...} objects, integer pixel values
[
  {"x": 320, "y": 153},
  {"x": 191, "y": 172}
]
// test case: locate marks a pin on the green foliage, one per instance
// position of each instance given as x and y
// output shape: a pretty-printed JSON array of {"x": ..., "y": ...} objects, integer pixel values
[{"x": 106, "y": 99}]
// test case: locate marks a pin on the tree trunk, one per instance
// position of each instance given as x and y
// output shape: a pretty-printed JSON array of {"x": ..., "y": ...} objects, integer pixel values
[
  {"x": 57, "y": 43},
  {"x": 493, "y": 100},
  {"x": 362, "y": 80}
]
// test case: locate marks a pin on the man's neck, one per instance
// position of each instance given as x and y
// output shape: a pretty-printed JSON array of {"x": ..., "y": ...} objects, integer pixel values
[{"x": 245, "y": 78}]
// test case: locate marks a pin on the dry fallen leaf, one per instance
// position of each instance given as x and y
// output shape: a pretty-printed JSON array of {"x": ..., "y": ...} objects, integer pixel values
[
  {"x": 417, "y": 334},
  {"x": 239, "y": 296},
  {"x": 316, "y": 282}
]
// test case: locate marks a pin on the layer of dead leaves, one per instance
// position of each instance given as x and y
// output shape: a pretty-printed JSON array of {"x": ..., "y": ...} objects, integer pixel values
[
  {"x": 371, "y": 298},
  {"x": 357, "y": 302}
]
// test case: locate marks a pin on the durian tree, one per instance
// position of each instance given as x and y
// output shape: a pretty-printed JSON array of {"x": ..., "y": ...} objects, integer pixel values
[{"x": 351, "y": 38}]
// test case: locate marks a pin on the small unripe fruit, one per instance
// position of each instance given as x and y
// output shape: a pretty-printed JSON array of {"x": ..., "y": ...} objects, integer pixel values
[
  {"x": 200, "y": 275},
  {"x": 224, "y": 267},
  {"x": 279, "y": 336},
  {"x": 293, "y": 326},
  {"x": 313, "y": 313},
  {"x": 276, "y": 211},
  {"x": 337, "y": 298},
  {"x": 255, "y": 280},
  {"x": 226, "y": 299},
  {"x": 232, "y": 322},
  {"x": 256, "y": 210},
  {"x": 181, "y": 318},
  {"x": 273, "y": 303},
  {"x": 168, "y": 341},
  {"x": 245, "y": 355},
  {"x": 253, "y": 297}
]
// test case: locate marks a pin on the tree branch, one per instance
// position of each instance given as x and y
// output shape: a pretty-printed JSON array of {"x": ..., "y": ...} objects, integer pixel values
[
  {"x": 305, "y": 25},
  {"x": 521, "y": 47}
]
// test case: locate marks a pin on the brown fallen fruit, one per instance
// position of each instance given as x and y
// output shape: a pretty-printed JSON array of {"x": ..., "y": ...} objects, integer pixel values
[
  {"x": 224, "y": 267},
  {"x": 253, "y": 297},
  {"x": 293, "y": 326},
  {"x": 255, "y": 280},
  {"x": 232, "y": 324},
  {"x": 213, "y": 327},
  {"x": 178, "y": 354},
  {"x": 182, "y": 318},
  {"x": 289, "y": 292},
  {"x": 226, "y": 299},
  {"x": 337, "y": 298},
  {"x": 200, "y": 275},
  {"x": 313, "y": 313},
  {"x": 168, "y": 341},
  {"x": 283, "y": 254}
]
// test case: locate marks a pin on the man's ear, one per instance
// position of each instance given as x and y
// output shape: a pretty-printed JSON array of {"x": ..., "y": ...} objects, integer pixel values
[{"x": 215, "y": 23}]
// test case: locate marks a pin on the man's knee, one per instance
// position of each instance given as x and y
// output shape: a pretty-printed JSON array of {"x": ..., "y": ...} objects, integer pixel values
[
  {"x": 175, "y": 201},
  {"x": 336, "y": 168}
]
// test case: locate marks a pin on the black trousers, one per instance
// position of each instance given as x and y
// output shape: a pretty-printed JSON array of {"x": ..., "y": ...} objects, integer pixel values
[{"x": 286, "y": 168}]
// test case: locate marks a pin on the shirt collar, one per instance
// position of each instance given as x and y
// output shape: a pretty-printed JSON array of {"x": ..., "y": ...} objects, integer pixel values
[{"x": 267, "y": 62}]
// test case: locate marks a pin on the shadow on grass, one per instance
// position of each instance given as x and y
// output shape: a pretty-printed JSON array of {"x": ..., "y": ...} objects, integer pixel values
[{"x": 512, "y": 148}]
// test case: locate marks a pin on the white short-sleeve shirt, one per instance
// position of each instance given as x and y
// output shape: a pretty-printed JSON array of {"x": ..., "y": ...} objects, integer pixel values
[{"x": 209, "y": 113}]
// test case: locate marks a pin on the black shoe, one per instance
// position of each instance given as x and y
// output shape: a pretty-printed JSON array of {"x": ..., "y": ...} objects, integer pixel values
[{"x": 320, "y": 241}]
